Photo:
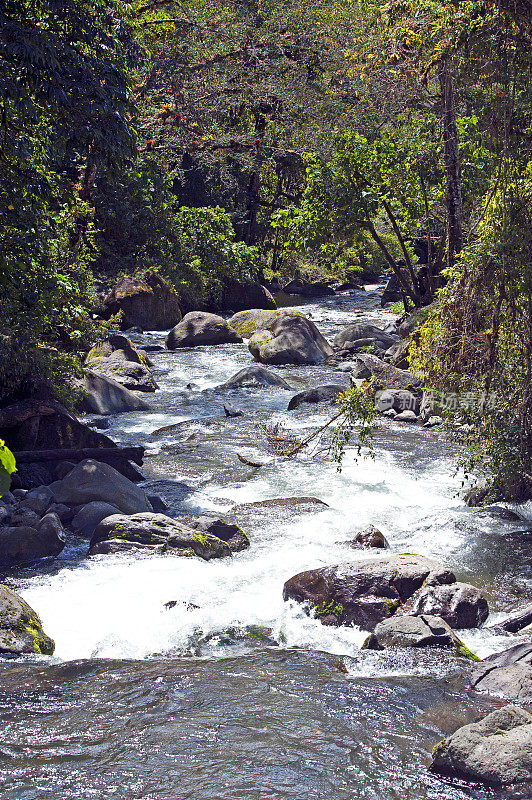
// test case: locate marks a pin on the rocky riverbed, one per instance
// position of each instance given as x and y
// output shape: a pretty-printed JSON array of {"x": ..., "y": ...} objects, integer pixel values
[{"x": 178, "y": 677}]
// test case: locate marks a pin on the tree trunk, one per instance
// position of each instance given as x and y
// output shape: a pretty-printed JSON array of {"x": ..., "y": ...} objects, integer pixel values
[{"x": 453, "y": 177}]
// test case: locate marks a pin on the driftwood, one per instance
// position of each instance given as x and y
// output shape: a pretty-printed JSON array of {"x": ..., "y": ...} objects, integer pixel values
[{"x": 135, "y": 454}]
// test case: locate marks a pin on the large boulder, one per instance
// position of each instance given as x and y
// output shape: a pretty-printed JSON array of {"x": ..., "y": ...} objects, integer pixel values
[
  {"x": 246, "y": 323},
  {"x": 496, "y": 750},
  {"x": 507, "y": 674},
  {"x": 94, "y": 480},
  {"x": 148, "y": 302},
  {"x": 290, "y": 340},
  {"x": 364, "y": 593},
  {"x": 390, "y": 377},
  {"x": 414, "y": 320},
  {"x": 307, "y": 288},
  {"x": 239, "y": 296},
  {"x": 117, "y": 358},
  {"x": 201, "y": 328},
  {"x": 104, "y": 395},
  {"x": 459, "y": 604},
  {"x": 320, "y": 394},
  {"x": 348, "y": 337},
  {"x": 253, "y": 377},
  {"x": 422, "y": 631},
  {"x": 20, "y": 627},
  {"x": 24, "y": 544},
  {"x": 149, "y": 531}
]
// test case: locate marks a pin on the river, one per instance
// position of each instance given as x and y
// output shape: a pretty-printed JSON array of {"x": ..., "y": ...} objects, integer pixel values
[{"x": 232, "y": 693}]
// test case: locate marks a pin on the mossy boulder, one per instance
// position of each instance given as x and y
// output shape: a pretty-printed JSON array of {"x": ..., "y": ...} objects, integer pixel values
[
  {"x": 20, "y": 627},
  {"x": 291, "y": 339},
  {"x": 146, "y": 301},
  {"x": 117, "y": 358},
  {"x": 246, "y": 323},
  {"x": 157, "y": 532},
  {"x": 201, "y": 328}
]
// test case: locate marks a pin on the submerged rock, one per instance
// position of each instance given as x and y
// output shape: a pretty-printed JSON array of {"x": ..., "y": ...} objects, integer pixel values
[
  {"x": 423, "y": 631},
  {"x": 280, "y": 504},
  {"x": 94, "y": 480},
  {"x": 254, "y": 376},
  {"x": 364, "y": 593},
  {"x": 320, "y": 394},
  {"x": 158, "y": 532},
  {"x": 232, "y": 411},
  {"x": 20, "y": 627},
  {"x": 517, "y": 620},
  {"x": 201, "y": 328},
  {"x": 290, "y": 340},
  {"x": 507, "y": 674},
  {"x": 496, "y": 750}
]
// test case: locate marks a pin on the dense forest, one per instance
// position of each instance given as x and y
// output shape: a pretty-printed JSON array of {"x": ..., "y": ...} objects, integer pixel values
[{"x": 218, "y": 145}]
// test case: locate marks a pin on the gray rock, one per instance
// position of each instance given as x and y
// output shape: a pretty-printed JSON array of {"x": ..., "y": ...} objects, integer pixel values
[
  {"x": 25, "y": 545},
  {"x": 433, "y": 421},
  {"x": 252, "y": 377},
  {"x": 507, "y": 674},
  {"x": 496, "y": 750},
  {"x": 38, "y": 500},
  {"x": 351, "y": 334},
  {"x": 149, "y": 531},
  {"x": 517, "y": 620},
  {"x": 291, "y": 339},
  {"x": 232, "y": 411},
  {"x": 459, "y": 604},
  {"x": 157, "y": 504},
  {"x": 390, "y": 377},
  {"x": 201, "y": 328},
  {"x": 20, "y": 627},
  {"x": 65, "y": 513},
  {"x": 93, "y": 480},
  {"x": 25, "y": 517},
  {"x": 104, "y": 395},
  {"x": 320, "y": 394},
  {"x": 398, "y": 399},
  {"x": 129, "y": 374},
  {"x": 371, "y": 537},
  {"x": 63, "y": 468},
  {"x": 88, "y": 518},
  {"x": 406, "y": 416},
  {"x": 423, "y": 631},
  {"x": 364, "y": 593}
]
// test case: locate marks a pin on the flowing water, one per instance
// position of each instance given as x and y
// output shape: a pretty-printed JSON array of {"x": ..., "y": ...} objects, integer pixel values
[{"x": 232, "y": 693}]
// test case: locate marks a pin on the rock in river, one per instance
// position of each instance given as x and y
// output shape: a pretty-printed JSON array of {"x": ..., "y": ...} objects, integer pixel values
[
  {"x": 201, "y": 328},
  {"x": 497, "y": 750},
  {"x": 320, "y": 394},
  {"x": 252, "y": 377},
  {"x": 368, "y": 366},
  {"x": 149, "y": 302},
  {"x": 104, "y": 395},
  {"x": 290, "y": 340},
  {"x": 364, "y": 593},
  {"x": 423, "y": 631},
  {"x": 507, "y": 674},
  {"x": 459, "y": 604},
  {"x": 158, "y": 532},
  {"x": 20, "y": 627},
  {"x": 246, "y": 323},
  {"x": 94, "y": 480},
  {"x": 24, "y": 544}
]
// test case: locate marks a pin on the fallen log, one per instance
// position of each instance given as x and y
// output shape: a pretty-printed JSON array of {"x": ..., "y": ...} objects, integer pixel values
[{"x": 135, "y": 454}]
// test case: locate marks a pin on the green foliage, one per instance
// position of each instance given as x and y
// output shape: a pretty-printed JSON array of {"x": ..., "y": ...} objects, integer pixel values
[
  {"x": 65, "y": 105},
  {"x": 7, "y": 467},
  {"x": 478, "y": 342},
  {"x": 357, "y": 410}
]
